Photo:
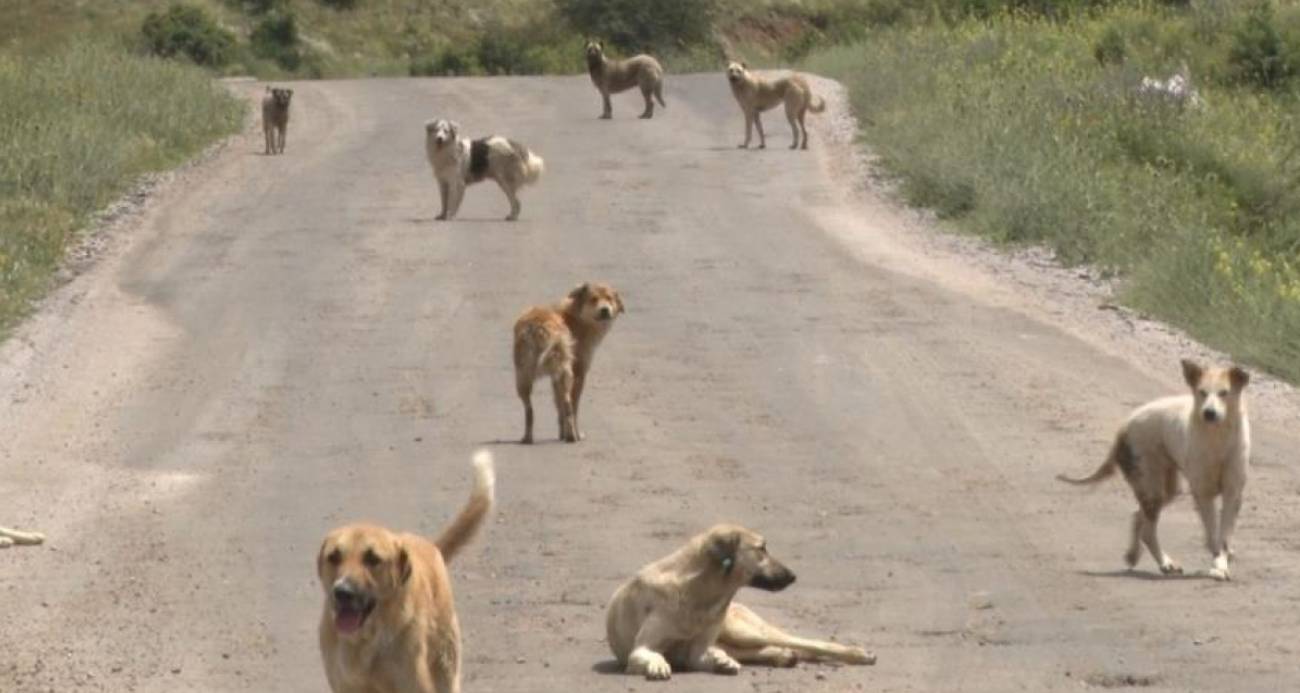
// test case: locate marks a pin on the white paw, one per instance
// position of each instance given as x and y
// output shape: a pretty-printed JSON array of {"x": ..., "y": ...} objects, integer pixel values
[
  {"x": 1170, "y": 567},
  {"x": 1220, "y": 574},
  {"x": 658, "y": 670},
  {"x": 724, "y": 664}
]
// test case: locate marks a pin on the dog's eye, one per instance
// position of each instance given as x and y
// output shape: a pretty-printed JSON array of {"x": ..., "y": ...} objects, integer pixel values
[
  {"x": 1223, "y": 393},
  {"x": 335, "y": 557},
  {"x": 371, "y": 558},
  {"x": 1204, "y": 393}
]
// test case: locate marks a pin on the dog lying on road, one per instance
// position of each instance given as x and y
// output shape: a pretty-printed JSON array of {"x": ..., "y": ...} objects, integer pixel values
[
  {"x": 678, "y": 612},
  {"x": 1205, "y": 436},
  {"x": 756, "y": 94},
  {"x": 560, "y": 341},
  {"x": 389, "y": 622},
  {"x": 614, "y": 76},
  {"x": 458, "y": 163},
  {"x": 9, "y": 537},
  {"x": 275, "y": 118}
]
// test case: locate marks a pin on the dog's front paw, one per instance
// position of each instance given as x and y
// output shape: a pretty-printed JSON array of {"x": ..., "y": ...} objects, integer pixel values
[
  {"x": 1171, "y": 567},
  {"x": 726, "y": 666},
  {"x": 658, "y": 670},
  {"x": 1219, "y": 569}
]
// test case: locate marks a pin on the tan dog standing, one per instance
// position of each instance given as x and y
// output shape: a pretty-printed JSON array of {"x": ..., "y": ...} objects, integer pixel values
[
  {"x": 756, "y": 94},
  {"x": 678, "y": 611},
  {"x": 389, "y": 622},
  {"x": 1205, "y": 436},
  {"x": 275, "y": 118},
  {"x": 560, "y": 341},
  {"x": 615, "y": 76}
]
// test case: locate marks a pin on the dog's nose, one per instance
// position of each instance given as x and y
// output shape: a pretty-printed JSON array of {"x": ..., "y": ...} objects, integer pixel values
[
  {"x": 605, "y": 312},
  {"x": 1210, "y": 415},
  {"x": 344, "y": 593}
]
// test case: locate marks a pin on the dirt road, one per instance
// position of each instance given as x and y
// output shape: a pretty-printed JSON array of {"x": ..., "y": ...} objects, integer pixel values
[{"x": 288, "y": 343}]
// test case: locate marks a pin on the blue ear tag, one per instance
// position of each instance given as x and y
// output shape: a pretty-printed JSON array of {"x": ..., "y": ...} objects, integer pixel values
[{"x": 726, "y": 564}]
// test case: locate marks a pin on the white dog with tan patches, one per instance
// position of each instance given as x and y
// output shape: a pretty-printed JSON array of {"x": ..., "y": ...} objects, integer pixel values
[
  {"x": 1205, "y": 436},
  {"x": 459, "y": 162}
]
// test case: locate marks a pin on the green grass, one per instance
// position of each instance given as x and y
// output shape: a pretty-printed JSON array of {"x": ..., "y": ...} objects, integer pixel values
[
  {"x": 1012, "y": 129},
  {"x": 77, "y": 126}
]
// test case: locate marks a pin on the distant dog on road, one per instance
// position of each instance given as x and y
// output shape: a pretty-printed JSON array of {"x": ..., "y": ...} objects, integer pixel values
[
  {"x": 275, "y": 118},
  {"x": 615, "y": 76},
  {"x": 9, "y": 537},
  {"x": 459, "y": 162},
  {"x": 756, "y": 94},
  {"x": 1206, "y": 437},
  {"x": 389, "y": 622},
  {"x": 560, "y": 341},
  {"x": 678, "y": 612}
]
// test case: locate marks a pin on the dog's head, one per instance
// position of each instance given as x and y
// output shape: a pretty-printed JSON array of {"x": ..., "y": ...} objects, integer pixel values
[
  {"x": 741, "y": 555},
  {"x": 595, "y": 50},
  {"x": 1216, "y": 391},
  {"x": 281, "y": 96},
  {"x": 441, "y": 132},
  {"x": 360, "y": 567},
  {"x": 736, "y": 72},
  {"x": 595, "y": 302}
]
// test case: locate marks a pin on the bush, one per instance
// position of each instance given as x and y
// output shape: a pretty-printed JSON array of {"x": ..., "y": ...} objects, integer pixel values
[
  {"x": 276, "y": 38},
  {"x": 188, "y": 30},
  {"x": 340, "y": 4},
  {"x": 637, "y": 25},
  {"x": 447, "y": 62},
  {"x": 1110, "y": 49},
  {"x": 1257, "y": 55}
]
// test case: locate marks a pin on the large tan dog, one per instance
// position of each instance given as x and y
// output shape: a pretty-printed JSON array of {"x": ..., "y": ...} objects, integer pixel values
[
  {"x": 560, "y": 341},
  {"x": 614, "y": 76},
  {"x": 275, "y": 118},
  {"x": 459, "y": 162},
  {"x": 1205, "y": 436},
  {"x": 9, "y": 537},
  {"x": 389, "y": 623},
  {"x": 678, "y": 612},
  {"x": 756, "y": 94}
]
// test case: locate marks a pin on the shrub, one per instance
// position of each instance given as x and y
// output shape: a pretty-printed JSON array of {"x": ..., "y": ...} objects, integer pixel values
[
  {"x": 1110, "y": 49},
  {"x": 1257, "y": 55},
  {"x": 451, "y": 61},
  {"x": 188, "y": 30},
  {"x": 340, "y": 4},
  {"x": 276, "y": 38},
  {"x": 633, "y": 25}
]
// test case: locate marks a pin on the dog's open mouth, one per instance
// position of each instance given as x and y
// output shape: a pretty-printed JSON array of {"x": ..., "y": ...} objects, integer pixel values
[{"x": 351, "y": 615}]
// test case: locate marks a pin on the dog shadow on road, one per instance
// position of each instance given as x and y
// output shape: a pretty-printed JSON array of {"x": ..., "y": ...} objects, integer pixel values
[
  {"x": 1150, "y": 575},
  {"x": 608, "y": 666}
]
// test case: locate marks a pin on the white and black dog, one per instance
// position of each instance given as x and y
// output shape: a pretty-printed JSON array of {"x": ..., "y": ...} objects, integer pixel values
[{"x": 457, "y": 162}]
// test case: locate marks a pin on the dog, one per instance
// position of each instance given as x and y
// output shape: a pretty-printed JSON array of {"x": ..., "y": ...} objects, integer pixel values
[
  {"x": 275, "y": 118},
  {"x": 560, "y": 341},
  {"x": 9, "y": 537},
  {"x": 616, "y": 76},
  {"x": 756, "y": 94},
  {"x": 389, "y": 621},
  {"x": 1205, "y": 436},
  {"x": 458, "y": 162},
  {"x": 678, "y": 612}
]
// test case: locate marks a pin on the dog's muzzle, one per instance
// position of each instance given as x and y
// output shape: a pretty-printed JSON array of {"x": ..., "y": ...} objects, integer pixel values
[
  {"x": 604, "y": 313},
  {"x": 351, "y": 607},
  {"x": 774, "y": 581},
  {"x": 1210, "y": 415}
]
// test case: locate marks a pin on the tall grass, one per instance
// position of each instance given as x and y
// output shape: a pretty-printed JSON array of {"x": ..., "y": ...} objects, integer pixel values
[
  {"x": 77, "y": 126},
  {"x": 1016, "y": 130}
]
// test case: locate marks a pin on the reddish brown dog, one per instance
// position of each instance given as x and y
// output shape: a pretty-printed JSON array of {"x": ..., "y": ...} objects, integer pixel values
[{"x": 560, "y": 341}]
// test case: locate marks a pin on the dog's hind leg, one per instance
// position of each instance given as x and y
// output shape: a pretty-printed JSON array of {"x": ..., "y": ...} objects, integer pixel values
[
  {"x": 745, "y": 631},
  {"x": 513, "y": 197},
  {"x": 1135, "y": 541},
  {"x": 803, "y": 112},
  {"x": 1151, "y": 508},
  {"x": 770, "y": 656},
  {"x": 647, "y": 92},
  {"x": 562, "y": 385},
  {"x": 792, "y": 115}
]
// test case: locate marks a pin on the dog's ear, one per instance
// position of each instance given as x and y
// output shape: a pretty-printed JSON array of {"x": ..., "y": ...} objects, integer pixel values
[
  {"x": 744, "y": 65},
  {"x": 579, "y": 292},
  {"x": 454, "y": 128},
  {"x": 1192, "y": 373},
  {"x": 403, "y": 565},
  {"x": 722, "y": 548},
  {"x": 1239, "y": 377},
  {"x": 320, "y": 559},
  {"x": 618, "y": 301}
]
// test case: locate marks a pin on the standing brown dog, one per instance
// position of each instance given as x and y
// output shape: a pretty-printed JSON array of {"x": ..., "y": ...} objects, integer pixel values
[
  {"x": 614, "y": 76},
  {"x": 756, "y": 94},
  {"x": 275, "y": 118},
  {"x": 389, "y": 623},
  {"x": 560, "y": 341}
]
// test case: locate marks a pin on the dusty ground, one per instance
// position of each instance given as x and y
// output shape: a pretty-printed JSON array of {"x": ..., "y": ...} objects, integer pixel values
[{"x": 283, "y": 344}]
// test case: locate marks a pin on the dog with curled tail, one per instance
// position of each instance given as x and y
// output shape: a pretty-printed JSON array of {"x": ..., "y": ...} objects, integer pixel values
[{"x": 459, "y": 162}]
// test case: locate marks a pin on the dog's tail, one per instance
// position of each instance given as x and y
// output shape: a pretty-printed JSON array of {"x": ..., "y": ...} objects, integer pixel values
[
  {"x": 465, "y": 526},
  {"x": 817, "y": 104},
  {"x": 531, "y": 164},
  {"x": 1119, "y": 453},
  {"x": 659, "y": 93}
]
